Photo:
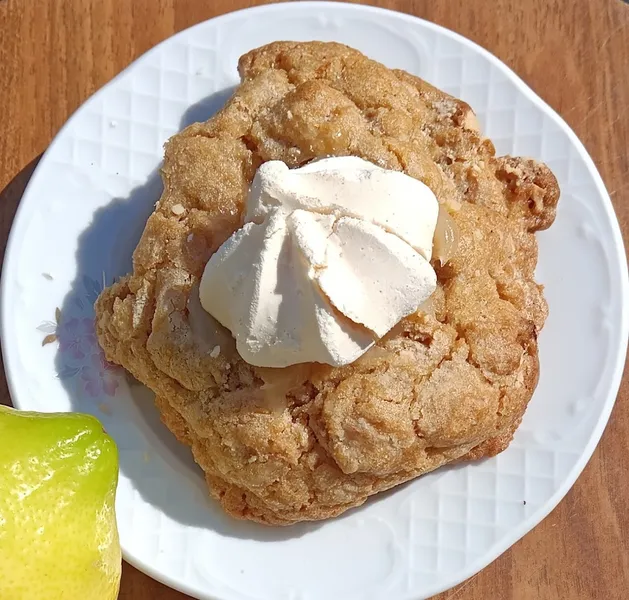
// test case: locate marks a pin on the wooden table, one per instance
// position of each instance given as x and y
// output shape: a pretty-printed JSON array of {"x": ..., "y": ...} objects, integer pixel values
[{"x": 574, "y": 53}]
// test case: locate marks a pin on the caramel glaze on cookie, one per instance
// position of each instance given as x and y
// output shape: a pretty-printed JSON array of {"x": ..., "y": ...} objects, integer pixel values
[{"x": 449, "y": 383}]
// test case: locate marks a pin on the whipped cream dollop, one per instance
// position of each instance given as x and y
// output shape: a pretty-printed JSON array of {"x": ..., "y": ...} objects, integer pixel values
[{"x": 330, "y": 257}]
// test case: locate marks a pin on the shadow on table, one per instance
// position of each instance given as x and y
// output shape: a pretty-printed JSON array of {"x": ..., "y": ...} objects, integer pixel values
[
  {"x": 10, "y": 198},
  {"x": 104, "y": 253}
]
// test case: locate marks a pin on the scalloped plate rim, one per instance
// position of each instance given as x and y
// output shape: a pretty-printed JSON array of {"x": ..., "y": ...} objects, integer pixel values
[{"x": 614, "y": 381}]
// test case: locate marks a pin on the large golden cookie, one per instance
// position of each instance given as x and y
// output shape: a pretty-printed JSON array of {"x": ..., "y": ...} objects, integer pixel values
[{"x": 448, "y": 383}]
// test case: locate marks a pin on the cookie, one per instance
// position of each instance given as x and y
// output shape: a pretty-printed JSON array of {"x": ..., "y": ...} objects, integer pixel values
[{"x": 448, "y": 383}]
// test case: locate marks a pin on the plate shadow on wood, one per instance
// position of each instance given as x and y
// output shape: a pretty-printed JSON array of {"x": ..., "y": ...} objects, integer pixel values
[{"x": 10, "y": 198}]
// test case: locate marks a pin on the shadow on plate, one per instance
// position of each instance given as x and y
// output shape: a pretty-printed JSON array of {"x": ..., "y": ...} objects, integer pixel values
[
  {"x": 154, "y": 457},
  {"x": 205, "y": 108}
]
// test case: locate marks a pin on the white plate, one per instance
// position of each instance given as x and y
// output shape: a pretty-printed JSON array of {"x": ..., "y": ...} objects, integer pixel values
[{"x": 83, "y": 212}]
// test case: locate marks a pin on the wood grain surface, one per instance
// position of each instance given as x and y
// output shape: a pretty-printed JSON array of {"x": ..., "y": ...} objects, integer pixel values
[{"x": 573, "y": 53}]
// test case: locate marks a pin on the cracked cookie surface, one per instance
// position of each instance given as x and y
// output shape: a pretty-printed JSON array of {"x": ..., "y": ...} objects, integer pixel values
[{"x": 448, "y": 383}]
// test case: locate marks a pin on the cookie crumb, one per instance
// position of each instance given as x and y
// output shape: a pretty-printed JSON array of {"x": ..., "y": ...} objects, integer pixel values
[
  {"x": 178, "y": 209},
  {"x": 49, "y": 339},
  {"x": 105, "y": 408},
  {"x": 215, "y": 351}
]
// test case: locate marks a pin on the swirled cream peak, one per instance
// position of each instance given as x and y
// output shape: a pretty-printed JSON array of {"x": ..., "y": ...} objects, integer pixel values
[{"x": 330, "y": 257}]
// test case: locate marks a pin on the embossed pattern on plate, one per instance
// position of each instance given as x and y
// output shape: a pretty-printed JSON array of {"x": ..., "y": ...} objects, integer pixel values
[{"x": 83, "y": 212}]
